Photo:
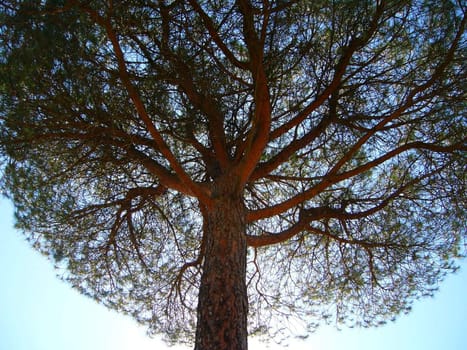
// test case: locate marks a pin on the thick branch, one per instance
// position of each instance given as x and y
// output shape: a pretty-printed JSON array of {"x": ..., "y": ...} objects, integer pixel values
[
  {"x": 266, "y": 168},
  {"x": 141, "y": 110},
  {"x": 354, "y": 45},
  {"x": 203, "y": 101},
  {"x": 332, "y": 175},
  {"x": 331, "y": 179},
  {"x": 273, "y": 238},
  {"x": 165, "y": 177},
  {"x": 258, "y": 135},
  {"x": 122, "y": 140},
  {"x": 340, "y": 69}
]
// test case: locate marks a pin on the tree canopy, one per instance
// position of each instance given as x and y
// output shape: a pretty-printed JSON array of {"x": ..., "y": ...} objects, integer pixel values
[{"x": 341, "y": 125}]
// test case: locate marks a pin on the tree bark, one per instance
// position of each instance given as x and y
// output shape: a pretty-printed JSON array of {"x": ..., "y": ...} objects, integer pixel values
[{"x": 223, "y": 300}]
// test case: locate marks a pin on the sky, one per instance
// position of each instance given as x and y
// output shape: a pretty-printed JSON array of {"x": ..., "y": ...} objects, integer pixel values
[{"x": 40, "y": 312}]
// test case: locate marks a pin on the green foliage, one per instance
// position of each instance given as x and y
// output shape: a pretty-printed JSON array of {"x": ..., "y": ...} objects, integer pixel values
[{"x": 365, "y": 159}]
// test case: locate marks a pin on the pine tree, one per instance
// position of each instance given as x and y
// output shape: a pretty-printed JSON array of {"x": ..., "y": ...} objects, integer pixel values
[{"x": 223, "y": 168}]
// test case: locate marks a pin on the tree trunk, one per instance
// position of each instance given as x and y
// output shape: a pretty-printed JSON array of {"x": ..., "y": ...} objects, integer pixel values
[{"x": 223, "y": 300}]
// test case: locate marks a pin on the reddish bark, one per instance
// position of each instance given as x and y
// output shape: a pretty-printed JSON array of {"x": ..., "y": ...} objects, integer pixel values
[{"x": 223, "y": 301}]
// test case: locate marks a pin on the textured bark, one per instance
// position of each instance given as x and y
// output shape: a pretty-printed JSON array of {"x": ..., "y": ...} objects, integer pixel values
[{"x": 223, "y": 301}]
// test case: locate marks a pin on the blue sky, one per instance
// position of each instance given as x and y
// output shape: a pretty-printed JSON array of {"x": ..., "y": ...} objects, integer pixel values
[{"x": 39, "y": 312}]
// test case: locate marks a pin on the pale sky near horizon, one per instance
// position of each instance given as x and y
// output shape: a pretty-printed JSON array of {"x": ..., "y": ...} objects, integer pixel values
[{"x": 39, "y": 312}]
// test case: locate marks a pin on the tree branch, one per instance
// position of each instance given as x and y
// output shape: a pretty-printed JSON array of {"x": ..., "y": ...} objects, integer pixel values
[
  {"x": 203, "y": 101},
  {"x": 213, "y": 32},
  {"x": 258, "y": 135},
  {"x": 141, "y": 110},
  {"x": 268, "y": 238},
  {"x": 332, "y": 175},
  {"x": 340, "y": 69},
  {"x": 331, "y": 179}
]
